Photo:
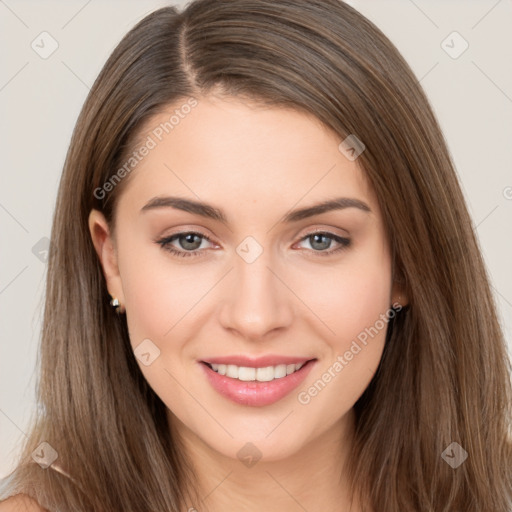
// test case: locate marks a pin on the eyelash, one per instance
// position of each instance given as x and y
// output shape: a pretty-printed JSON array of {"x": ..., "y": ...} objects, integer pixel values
[{"x": 166, "y": 241}]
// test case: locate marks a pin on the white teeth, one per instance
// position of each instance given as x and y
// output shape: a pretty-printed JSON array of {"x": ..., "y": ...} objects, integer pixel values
[
  {"x": 280, "y": 371},
  {"x": 248, "y": 374},
  {"x": 232, "y": 371},
  {"x": 245, "y": 373},
  {"x": 265, "y": 374}
]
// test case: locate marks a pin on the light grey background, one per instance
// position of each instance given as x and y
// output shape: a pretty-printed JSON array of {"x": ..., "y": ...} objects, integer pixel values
[{"x": 40, "y": 100}]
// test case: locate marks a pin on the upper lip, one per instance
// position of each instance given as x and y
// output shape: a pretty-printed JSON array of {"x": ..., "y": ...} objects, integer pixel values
[{"x": 257, "y": 362}]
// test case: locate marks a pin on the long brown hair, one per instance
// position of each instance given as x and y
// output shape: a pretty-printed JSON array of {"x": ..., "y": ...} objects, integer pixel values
[{"x": 445, "y": 374}]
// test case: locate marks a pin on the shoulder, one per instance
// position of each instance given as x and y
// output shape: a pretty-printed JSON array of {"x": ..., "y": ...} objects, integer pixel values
[{"x": 20, "y": 503}]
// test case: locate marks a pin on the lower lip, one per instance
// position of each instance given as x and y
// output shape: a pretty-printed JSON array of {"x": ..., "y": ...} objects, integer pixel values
[{"x": 255, "y": 393}]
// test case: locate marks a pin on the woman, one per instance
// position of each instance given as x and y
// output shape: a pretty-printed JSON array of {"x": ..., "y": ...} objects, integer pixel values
[{"x": 263, "y": 286}]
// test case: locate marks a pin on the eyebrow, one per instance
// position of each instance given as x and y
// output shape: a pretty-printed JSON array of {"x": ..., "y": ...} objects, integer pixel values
[{"x": 211, "y": 212}]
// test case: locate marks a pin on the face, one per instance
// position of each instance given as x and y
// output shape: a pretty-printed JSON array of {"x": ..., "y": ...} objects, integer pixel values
[{"x": 246, "y": 283}]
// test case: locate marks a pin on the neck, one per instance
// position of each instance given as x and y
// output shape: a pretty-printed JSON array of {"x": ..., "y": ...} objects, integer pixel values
[{"x": 312, "y": 478}]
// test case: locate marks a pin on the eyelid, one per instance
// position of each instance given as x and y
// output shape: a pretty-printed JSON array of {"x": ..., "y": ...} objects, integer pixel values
[
  {"x": 305, "y": 232},
  {"x": 166, "y": 240},
  {"x": 331, "y": 230}
]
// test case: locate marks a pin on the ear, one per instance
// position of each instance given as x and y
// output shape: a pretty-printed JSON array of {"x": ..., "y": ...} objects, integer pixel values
[{"x": 107, "y": 253}]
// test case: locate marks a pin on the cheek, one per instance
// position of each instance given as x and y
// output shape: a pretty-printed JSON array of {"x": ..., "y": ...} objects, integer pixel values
[
  {"x": 160, "y": 300},
  {"x": 158, "y": 292},
  {"x": 353, "y": 302},
  {"x": 350, "y": 295},
  {"x": 363, "y": 298},
  {"x": 349, "y": 364}
]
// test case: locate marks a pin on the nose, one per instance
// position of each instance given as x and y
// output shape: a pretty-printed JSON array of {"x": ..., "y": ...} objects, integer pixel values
[{"x": 256, "y": 300}]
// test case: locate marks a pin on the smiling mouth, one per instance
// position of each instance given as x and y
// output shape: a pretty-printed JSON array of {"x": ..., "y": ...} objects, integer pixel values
[{"x": 252, "y": 374}]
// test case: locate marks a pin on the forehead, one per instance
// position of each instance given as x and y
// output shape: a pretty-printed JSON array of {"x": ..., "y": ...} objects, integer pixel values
[{"x": 231, "y": 150}]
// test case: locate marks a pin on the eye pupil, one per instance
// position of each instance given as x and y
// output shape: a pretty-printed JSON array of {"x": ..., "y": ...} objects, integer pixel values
[
  {"x": 189, "y": 237},
  {"x": 324, "y": 245}
]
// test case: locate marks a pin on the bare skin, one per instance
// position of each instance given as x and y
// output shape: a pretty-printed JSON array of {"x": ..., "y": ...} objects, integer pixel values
[
  {"x": 20, "y": 503},
  {"x": 256, "y": 164}
]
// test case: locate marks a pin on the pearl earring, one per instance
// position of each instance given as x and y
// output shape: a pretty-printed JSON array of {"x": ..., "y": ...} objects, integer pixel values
[{"x": 116, "y": 304}]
